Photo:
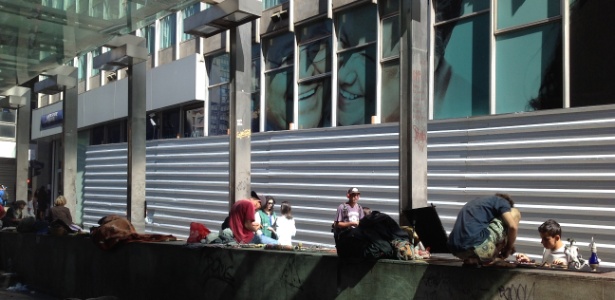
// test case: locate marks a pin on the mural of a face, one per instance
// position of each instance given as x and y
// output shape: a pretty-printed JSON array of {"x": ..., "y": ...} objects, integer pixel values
[
  {"x": 356, "y": 66},
  {"x": 313, "y": 62}
]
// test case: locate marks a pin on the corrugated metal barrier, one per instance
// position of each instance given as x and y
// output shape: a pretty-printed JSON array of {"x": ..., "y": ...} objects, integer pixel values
[{"x": 558, "y": 165}]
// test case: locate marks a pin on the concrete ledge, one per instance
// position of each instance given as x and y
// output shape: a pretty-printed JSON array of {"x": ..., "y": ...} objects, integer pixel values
[{"x": 75, "y": 267}]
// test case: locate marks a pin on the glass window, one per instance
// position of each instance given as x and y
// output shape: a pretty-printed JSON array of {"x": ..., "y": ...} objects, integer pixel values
[
  {"x": 97, "y": 135},
  {"x": 218, "y": 70},
  {"x": 97, "y": 9},
  {"x": 171, "y": 125},
  {"x": 514, "y": 12},
  {"x": 461, "y": 79},
  {"x": 591, "y": 53},
  {"x": 390, "y": 37},
  {"x": 8, "y": 115},
  {"x": 315, "y": 75},
  {"x": 279, "y": 58},
  {"x": 528, "y": 69},
  {"x": 451, "y": 9},
  {"x": 7, "y": 131},
  {"x": 82, "y": 67},
  {"x": 388, "y": 7},
  {"x": 115, "y": 133},
  {"x": 95, "y": 53},
  {"x": 356, "y": 32},
  {"x": 57, "y": 4},
  {"x": 271, "y": 3},
  {"x": 194, "y": 121},
  {"x": 152, "y": 128},
  {"x": 167, "y": 31},
  {"x": 7, "y": 122},
  {"x": 187, "y": 12},
  {"x": 219, "y": 110},
  {"x": 389, "y": 60},
  {"x": 390, "y": 91},
  {"x": 149, "y": 33}
]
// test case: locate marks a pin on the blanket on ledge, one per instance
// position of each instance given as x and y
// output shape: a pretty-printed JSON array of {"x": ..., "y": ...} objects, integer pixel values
[{"x": 115, "y": 230}]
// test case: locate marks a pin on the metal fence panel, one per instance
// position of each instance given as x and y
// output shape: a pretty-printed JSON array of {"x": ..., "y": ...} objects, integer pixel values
[{"x": 556, "y": 165}]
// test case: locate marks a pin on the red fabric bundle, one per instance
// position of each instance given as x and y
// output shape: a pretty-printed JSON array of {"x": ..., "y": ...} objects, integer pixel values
[{"x": 198, "y": 232}]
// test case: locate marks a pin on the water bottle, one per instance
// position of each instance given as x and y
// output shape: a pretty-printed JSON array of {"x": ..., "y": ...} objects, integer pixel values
[{"x": 594, "y": 261}]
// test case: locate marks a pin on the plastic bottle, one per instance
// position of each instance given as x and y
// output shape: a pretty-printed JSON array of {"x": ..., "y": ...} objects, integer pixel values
[{"x": 594, "y": 261}]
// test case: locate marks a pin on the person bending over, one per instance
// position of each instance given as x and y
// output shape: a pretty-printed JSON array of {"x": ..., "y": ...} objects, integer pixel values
[{"x": 485, "y": 230}]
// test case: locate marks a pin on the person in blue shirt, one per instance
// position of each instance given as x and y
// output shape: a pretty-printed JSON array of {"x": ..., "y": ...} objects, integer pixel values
[
  {"x": 3, "y": 195},
  {"x": 485, "y": 230}
]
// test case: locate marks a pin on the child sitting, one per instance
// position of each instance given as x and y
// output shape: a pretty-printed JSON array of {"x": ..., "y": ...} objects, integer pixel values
[
  {"x": 286, "y": 225},
  {"x": 551, "y": 235}
]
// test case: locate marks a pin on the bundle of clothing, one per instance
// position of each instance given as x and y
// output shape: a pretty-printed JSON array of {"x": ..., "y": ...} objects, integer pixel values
[
  {"x": 379, "y": 236},
  {"x": 115, "y": 230}
]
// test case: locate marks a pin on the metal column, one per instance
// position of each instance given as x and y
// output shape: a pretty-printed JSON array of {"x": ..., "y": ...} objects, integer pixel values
[
  {"x": 414, "y": 74},
  {"x": 240, "y": 113},
  {"x": 129, "y": 51},
  {"x": 69, "y": 144},
  {"x": 20, "y": 97},
  {"x": 136, "y": 145},
  {"x": 64, "y": 79}
]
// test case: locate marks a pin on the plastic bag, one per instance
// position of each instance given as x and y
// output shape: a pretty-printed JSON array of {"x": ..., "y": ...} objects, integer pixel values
[{"x": 198, "y": 232}]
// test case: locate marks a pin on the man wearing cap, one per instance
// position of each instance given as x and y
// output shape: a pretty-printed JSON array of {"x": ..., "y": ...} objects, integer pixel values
[{"x": 349, "y": 213}]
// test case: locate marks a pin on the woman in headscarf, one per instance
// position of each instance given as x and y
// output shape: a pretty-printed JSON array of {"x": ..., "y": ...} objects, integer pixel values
[{"x": 243, "y": 225}]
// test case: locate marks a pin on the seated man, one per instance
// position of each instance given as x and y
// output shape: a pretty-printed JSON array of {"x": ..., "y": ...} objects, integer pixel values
[
  {"x": 551, "y": 240},
  {"x": 15, "y": 214},
  {"x": 256, "y": 200},
  {"x": 485, "y": 229},
  {"x": 243, "y": 226}
]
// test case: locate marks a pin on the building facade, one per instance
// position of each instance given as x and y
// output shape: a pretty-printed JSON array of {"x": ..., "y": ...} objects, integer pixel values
[{"x": 332, "y": 68}]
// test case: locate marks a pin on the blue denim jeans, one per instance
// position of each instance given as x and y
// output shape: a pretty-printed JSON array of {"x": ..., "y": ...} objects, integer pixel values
[{"x": 263, "y": 239}]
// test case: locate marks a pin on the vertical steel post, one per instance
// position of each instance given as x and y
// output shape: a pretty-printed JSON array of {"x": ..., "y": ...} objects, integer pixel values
[
  {"x": 414, "y": 74},
  {"x": 240, "y": 113},
  {"x": 69, "y": 144},
  {"x": 135, "y": 202},
  {"x": 24, "y": 114}
]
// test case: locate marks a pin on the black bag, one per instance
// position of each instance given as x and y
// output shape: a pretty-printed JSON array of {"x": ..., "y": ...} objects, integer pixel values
[{"x": 375, "y": 237}]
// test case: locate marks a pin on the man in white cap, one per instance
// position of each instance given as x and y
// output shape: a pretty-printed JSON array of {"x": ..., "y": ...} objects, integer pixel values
[{"x": 349, "y": 213}]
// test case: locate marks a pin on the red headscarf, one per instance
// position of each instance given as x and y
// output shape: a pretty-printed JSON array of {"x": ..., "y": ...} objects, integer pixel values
[{"x": 241, "y": 211}]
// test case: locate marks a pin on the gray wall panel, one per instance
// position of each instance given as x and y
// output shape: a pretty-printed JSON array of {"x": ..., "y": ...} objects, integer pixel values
[
  {"x": 555, "y": 164},
  {"x": 308, "y": 9},
  {"x": 189, "y": 47},
  {"x": 166, "y": 55},
  {"x": 177, "y": 82}
]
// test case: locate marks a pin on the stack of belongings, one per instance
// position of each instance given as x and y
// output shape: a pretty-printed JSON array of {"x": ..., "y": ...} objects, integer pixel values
[{"x": 379, "y": 236}]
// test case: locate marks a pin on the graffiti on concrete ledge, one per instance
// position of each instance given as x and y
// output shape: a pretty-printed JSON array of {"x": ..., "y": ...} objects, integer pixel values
[
  {"x": 289, "y": 279},
  {"x": 517, "y": 292}
]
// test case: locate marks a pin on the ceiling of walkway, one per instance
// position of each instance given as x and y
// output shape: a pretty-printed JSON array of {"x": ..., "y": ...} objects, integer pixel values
[{"x": 38, "y": 35}]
